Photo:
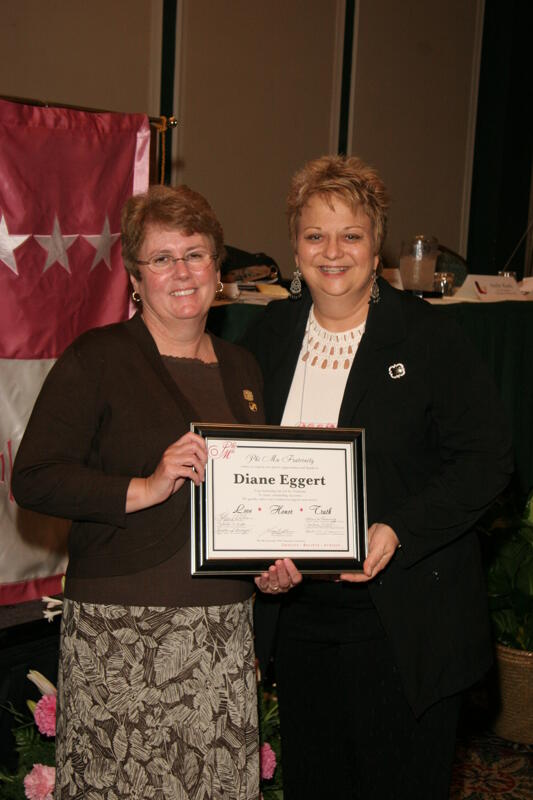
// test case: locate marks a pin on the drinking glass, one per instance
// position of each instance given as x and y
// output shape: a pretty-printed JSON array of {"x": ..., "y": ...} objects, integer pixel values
[
  {"x": 418, "y": 258},
  {"x": 443, "y": 283}
]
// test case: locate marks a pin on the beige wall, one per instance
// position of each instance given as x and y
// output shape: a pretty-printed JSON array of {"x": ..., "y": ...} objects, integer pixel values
[
  {"x": 101, "y": 54},
  {"x": 256, "y": 87},
  {"x": 257, "y": 95},
  {"x": 413, "y": 113}
]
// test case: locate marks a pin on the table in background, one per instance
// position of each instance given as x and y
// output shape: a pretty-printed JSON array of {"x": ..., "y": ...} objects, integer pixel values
[{"x": 501, "y": 332}]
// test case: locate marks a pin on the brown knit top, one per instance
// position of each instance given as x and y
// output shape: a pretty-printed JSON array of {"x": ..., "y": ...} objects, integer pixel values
[{"x": 170, "y": 583}]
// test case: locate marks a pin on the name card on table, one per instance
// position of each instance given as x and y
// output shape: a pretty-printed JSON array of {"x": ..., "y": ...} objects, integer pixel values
[{"x": 489, "y": 289}]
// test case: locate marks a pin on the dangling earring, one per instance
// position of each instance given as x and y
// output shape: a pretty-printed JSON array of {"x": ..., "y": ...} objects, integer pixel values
[
  {"x": 374, "y": 289},
  {"x": 136, "y": 297},
  {"x": 219, "y": 290},
  {"x": 296, "y": 285}
]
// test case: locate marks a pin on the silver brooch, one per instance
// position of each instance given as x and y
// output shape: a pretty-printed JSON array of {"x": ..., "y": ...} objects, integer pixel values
[{"x": 396, "y": 371}]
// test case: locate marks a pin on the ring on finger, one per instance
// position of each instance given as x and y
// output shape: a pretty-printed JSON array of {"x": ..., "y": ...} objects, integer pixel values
[{"x": 275, "y": 588}]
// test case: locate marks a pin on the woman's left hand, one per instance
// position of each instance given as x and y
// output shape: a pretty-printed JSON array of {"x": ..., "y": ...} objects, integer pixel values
[
  {"x": 281, "y": 577},
  {"x": 382, "y": 544}
]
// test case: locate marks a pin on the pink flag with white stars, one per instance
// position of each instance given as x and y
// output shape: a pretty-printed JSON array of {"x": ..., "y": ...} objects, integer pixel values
[{"x": 64, "y": 177}]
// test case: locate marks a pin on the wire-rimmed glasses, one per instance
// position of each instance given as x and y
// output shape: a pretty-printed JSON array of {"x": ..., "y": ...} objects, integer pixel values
[{"x": 195, "y": 260}]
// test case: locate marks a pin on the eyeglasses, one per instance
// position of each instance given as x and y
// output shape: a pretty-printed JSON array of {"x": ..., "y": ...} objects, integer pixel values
[{"x": 196, "y": 261}]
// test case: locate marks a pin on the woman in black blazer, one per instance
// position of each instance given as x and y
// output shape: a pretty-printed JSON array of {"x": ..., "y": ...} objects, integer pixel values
[{"x": 370, "y": 668}]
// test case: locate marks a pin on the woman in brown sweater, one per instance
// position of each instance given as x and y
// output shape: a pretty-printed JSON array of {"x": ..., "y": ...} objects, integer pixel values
[{"x": 156, "y": 685}]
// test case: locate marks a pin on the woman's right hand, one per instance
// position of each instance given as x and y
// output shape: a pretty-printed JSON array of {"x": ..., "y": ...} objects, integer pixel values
[
  {"x": 184, "y": 459},
  {"x": 281, "y": 576}
]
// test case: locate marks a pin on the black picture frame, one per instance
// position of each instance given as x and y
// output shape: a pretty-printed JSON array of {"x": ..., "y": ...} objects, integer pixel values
[{"x": 209, "y": 558}]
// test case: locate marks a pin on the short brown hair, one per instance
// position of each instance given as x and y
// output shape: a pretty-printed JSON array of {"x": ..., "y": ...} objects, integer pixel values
[
  {"x": 170, "y": 207},
  {"x": 349, "y": 179}
]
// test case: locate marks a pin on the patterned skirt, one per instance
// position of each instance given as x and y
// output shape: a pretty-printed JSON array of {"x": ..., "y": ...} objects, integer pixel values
[{"x": 157, "y": 703}]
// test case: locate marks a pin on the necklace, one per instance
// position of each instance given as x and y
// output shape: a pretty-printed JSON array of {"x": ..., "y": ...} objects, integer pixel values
[
  {"x": 330, "y": 350},
  {"x": 324, "y": 350}
]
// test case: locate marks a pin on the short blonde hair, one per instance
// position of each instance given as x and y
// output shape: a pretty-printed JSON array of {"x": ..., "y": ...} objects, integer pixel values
[
  {"x": 173, "y": 208},
  {"x": 349, "y": 179}
]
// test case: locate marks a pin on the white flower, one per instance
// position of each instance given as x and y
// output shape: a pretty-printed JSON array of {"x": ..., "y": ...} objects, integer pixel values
[
  {"x": 42, "y": 683},
  {"x": 52, "y": 602},
  {"x": 54, "y": 606},
  {"x": 49, "y": 615}
]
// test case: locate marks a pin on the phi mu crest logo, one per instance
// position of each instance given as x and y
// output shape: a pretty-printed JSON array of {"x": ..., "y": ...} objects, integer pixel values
[
  {"x": 396, "y": 371},
  {"x": 223, "y": 450}
]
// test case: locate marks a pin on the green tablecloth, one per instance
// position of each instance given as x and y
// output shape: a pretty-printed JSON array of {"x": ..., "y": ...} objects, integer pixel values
[{"x": 501, "y": 332}]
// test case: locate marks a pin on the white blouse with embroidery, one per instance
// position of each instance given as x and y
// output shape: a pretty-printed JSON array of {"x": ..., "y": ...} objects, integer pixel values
[{"x": 320, "y": 376}]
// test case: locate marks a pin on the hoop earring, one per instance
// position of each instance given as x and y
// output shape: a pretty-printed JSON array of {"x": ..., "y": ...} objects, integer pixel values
[
  {"x": 295, "y": 288},
  {"x": 374, "y": 289},
  {"x": 219, "y": 290},
  {"x": 136, "y": 297}
]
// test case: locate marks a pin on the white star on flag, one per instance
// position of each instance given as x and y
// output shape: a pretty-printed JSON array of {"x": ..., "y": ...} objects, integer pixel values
[
  {"x": 9, "y": 243},
  {"x": 56, "y": 246},
  {"x": 103, "y": 244}
]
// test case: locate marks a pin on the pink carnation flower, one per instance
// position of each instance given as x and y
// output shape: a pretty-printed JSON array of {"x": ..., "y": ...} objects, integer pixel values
[
  {"x": 268, "y": 761},
  {"x": 39, "y": 783},
  {"x": 45, "y": 715}
]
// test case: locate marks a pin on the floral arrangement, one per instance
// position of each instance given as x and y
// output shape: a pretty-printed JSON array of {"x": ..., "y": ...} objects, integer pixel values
[{"x": 35, "y": 775}]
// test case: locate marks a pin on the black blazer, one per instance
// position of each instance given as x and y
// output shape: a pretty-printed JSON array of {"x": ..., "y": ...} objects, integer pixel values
[{"x": 437, "y": 453}]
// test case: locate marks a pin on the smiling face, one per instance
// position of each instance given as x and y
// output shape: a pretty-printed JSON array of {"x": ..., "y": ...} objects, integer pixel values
[
  {"x": 179, "y": 294},
  {"x": 335, "y": 251}
]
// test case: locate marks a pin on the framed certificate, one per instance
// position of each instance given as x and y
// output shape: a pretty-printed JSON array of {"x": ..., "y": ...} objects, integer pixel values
[{"x": 274, "y": 492}]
